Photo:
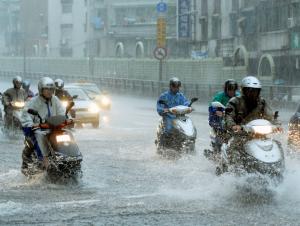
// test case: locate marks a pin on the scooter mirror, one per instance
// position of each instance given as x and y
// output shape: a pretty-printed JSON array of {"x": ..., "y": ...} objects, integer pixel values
[
  {"x": 194, "y": 99},
  {"x": 75, "y": 96},
  {"x": 276, "y": 115},
  {"x": 33, "y": 112}
]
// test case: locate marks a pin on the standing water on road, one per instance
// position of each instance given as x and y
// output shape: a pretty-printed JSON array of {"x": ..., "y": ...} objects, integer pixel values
[{"x": 125, "y": 182}]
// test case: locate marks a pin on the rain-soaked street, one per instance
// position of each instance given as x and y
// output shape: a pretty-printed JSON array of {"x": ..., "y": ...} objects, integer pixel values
[{"x": 126, "y": 183}]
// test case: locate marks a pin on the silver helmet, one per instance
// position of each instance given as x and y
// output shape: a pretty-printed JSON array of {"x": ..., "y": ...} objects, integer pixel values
[{"x": 47, "y": 83}]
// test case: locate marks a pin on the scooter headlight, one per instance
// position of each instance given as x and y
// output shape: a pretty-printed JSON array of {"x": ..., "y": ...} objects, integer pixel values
[
  {"x": 94, "y": 108},
  {"x": 263, "y": 130},
  {"x": 63, "y": 138},
  {"x": 19, "y": 104},
  {"x": 65, "y": 103}
]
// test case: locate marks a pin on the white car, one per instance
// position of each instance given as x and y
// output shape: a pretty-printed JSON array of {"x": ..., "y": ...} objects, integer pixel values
[{"x": 86, "y": 110}]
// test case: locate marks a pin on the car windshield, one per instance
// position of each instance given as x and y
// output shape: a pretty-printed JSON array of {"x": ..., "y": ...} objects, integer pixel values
[
  {"x": 91, "y": 90},
  {"x": 81, "y": 95}
]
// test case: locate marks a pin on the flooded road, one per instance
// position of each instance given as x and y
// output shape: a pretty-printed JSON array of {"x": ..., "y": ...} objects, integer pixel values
[{"x": 126, "y": 183}]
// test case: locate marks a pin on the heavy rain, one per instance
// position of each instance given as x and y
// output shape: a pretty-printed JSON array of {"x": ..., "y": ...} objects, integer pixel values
[{"x": 149, "y": 112}]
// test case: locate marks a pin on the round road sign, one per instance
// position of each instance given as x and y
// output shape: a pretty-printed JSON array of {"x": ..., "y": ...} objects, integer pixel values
[
  {"x": 160, "y": 53},
  {"x": 161, "y": 7}
]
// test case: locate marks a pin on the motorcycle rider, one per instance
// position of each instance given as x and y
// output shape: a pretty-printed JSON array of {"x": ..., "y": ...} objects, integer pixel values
[
  {"x": 12, "y": 95},
  {"x": 60, "y": 92},
  {"x": 46, "y": 104},
  {"x": 242, "y": 109},
  {"x": 63, "y": 95},
  {"x": 171, "y": 98},
  {"x": 217, "y": 110},
  {"x": 26, "y": 87},
  {"x": 230, "y": 90}
]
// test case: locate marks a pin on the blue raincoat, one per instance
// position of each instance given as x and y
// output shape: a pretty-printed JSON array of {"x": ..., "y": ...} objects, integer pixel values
[{"x": 172, "y": 100}]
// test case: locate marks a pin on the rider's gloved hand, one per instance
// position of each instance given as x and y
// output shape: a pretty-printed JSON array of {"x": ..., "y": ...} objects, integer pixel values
[
  {"x": 278, "y": 130},
  {"x": 237, "y": 128}
]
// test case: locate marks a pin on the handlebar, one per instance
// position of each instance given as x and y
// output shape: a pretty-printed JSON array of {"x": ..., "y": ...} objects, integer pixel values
[{"x": 67, "y": 122}]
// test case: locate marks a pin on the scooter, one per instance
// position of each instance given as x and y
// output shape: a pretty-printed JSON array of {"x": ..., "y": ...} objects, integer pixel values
[
  {"x": 12, "y": 124},
  {"x": 64, "y": 155},
  {"x": 182, "y": 137},
  {"x": 259, "y": 153}
]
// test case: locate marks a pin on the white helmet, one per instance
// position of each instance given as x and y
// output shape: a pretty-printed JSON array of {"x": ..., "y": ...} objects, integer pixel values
[
  {"x": 17, "y": 79},
  {"x": 251, "y": 82},
  {"x": 45, "y": 82},
  {"x": 59, "y": 83}
]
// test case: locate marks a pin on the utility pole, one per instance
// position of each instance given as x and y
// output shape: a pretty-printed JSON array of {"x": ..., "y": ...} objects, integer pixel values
[
  {"x": 160, "y": 52},
  {"x": 24, "y": 56}
]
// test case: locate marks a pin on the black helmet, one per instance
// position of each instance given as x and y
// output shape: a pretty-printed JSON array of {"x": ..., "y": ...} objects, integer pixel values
[
  {"x": 175, "y": 82},
  {"x": 26, "y": 85},
  {"x": 59, "y": 83},
  {"x": 230, "y": 84}
]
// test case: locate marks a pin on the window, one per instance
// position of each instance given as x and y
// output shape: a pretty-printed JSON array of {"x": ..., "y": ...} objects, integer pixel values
[
  {"x": 248, "y": 22},
  {"x": 274, "y": 16},
  {"x": 66, "y": 35},
  {"x": 217, "y": 7},
  {"x": 216, "y": 27},
  {"x": 250, "y": 3},
  {"x": 204, "y": 29},
  {"x": 204, "y": 8},
  {"x": 235, "y": 5},
  {"x": 67, "y": 6},
  {"x": 233, "y": 23}
]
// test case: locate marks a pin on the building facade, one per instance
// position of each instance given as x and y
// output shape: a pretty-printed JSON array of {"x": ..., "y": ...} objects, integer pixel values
[
  {"x": 263, "y": 35},
  {"x": 10, "y": 29},
  {"x": 34, "y": 27},
  {"x": 127, "y": 29},
  {"x": 67, "y": 28}
]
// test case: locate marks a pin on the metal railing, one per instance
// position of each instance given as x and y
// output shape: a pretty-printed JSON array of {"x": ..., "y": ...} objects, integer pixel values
[{"x": 278, "y": 95}]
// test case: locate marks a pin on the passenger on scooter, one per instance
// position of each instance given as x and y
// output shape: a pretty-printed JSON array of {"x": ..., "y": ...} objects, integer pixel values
[
  {"x": 15, "y": 94},
  {"x": 46, "y": 104},
  {"x": 230, "y": 90},
  {"x": 171, "y": 98},
  {"x": 60, "y": 92},
  {"x": 26, "y": 87},
  {"x": 63, "y": 95},
  {"x": 217, "y": 111},
  {"x": 242, "y": 109}
]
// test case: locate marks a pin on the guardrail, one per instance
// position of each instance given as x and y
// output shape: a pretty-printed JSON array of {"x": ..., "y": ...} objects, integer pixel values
[{"x": 280, "y": 96}]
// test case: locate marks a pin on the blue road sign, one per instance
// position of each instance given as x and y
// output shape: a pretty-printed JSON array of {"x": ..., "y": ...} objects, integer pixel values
[{"x": 161, "y": 7}]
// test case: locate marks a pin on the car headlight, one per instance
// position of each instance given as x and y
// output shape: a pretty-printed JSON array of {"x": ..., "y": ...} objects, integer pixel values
[
  {"x": 93, "y": 108},
  {"x": 105, "y": 119},
  {"x": 105, "y": 101},
  {"x": 63, "y": 138}
]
